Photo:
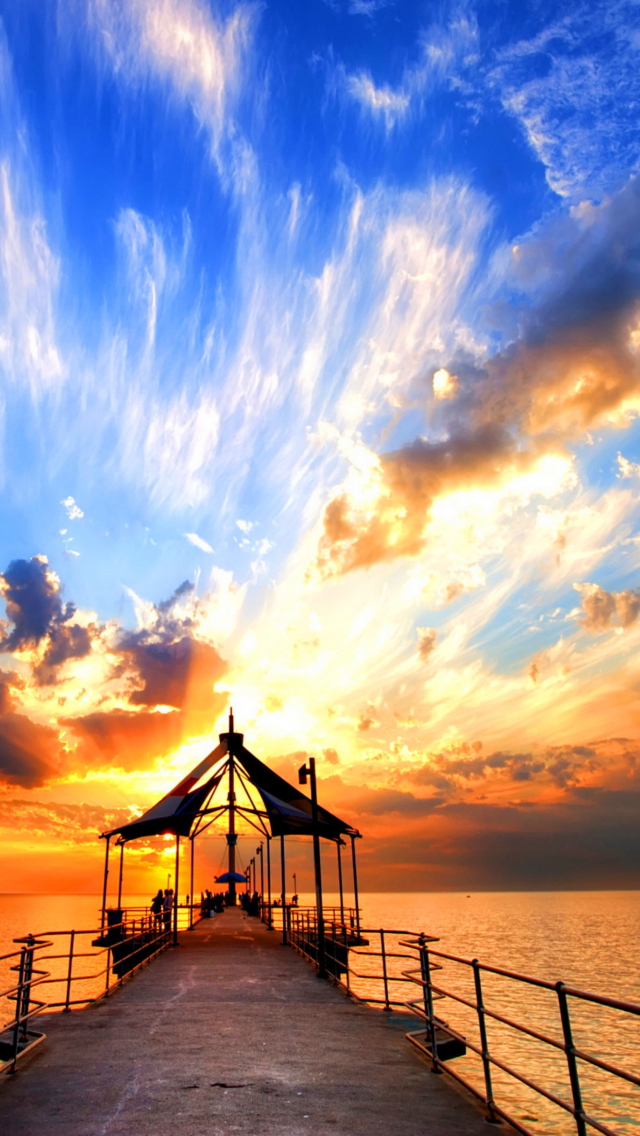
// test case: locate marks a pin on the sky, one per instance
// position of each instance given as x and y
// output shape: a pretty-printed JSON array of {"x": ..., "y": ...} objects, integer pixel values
[{"x": 320, "y": 385}]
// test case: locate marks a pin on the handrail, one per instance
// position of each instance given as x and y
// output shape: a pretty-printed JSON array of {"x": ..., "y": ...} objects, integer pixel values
[
  {"x": 121, "y": 949},
  {"x": 565, "y": 1044},
  {"x": 343, "y": 948}
]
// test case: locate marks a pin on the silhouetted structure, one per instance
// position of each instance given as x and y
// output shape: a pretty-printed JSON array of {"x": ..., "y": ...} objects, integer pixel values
[{"x": 273, "y": 806}]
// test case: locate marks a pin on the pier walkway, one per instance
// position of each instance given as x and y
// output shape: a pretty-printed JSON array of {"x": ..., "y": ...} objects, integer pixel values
[{"x": 231, "y": 1034}]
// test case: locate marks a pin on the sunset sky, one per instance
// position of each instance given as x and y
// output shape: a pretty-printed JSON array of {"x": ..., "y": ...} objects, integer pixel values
[{"x": 320, "y": 354}]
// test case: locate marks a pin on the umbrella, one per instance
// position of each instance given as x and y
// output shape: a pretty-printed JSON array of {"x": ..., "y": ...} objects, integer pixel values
[{"x": 227, "y": 877}]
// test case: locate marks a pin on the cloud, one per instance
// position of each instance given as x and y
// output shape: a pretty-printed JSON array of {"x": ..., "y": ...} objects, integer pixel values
[
  {"x": 444, "y": 384},
  {"x": 444, "y": 50},
  {"x": 30, "y": 753},
  {"x": 67, "y": 641},
  {"x": 627, "y": 468},
  {"x": 171, "y": 670},
  {"x": 367, "y": 719},
  {"x": 33, "y": 598},
  {"x": 391, "y": 105},
  {"x": 426, "y": 642},
  {"x": 572, "y": 87},
  {"x": 201, "y": 56},
  {"x": 198, "y": 541},
  {"x": 600, "y": 606},
  {"x": 29, "y": 278},
  {"x": 64, "y": 823},
  {"x": 125, "y": 739},
  {"x": 32, "y": 594},
  {"x": 167, "y": 663},
  {"x": 331, "y": 756},
  {"x": 572, "y": 365},
  {"x": 74, "y": 512}
]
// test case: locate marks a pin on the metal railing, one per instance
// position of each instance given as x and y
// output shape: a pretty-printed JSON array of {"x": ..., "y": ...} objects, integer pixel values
[
  {"x": 84, "y": 966},
  {"x": 564, "y": 996},
  {"x": 272, "y": 915},
  {"x": 373, "y": 968},
  {"x": 119, "y": 950},
  {"x": 16, "y": 1039}
]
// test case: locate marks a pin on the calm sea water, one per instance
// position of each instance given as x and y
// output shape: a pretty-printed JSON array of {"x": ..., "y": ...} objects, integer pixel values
[{"x": 588, "y": 939}]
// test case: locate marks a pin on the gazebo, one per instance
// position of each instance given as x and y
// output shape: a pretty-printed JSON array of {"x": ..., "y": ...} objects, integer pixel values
[{"x": 270, "y": 805}]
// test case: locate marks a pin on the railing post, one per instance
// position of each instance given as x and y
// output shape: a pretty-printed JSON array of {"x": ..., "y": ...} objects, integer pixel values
[
  {"x": 571, "y": 1060},
  {"x": 486, "y": 1061},
  {"x": 107, "y": 970},
  {"x": 26, "y": 988},
  {"x": 387, "y": 1004},
  {"x": 16, "y": 1026},
  {"x": 425, "y": 968},
  {"x": 69, "y": 971}
]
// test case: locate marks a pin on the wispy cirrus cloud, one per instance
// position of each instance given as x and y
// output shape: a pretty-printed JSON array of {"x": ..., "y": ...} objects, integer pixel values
[
  {"x": 573, "y": 87},
  {"x": 199, "y": 53}
]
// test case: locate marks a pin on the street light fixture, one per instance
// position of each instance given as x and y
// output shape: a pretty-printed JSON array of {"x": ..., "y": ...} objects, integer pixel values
[{"x": 310, "y": 772}]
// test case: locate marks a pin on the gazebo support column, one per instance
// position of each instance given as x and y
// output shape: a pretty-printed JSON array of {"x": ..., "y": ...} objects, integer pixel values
[
  {"x": 192, "y": 878},
  {"x": 269, "y": 919},
  {"x": 104, "y": 881},
  {"x": 176, "y": 898},
  {"x": 304, "y": 772},
  {"x": 284, "y": 892},
  {"x": 260, "y": 853},
  {"x": 121, "y": 870},
  {"x": 356, "y": 898},
  {"x": 339, "y": 847}
]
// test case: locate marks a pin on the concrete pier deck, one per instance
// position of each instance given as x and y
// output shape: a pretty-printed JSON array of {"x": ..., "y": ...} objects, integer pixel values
[{"x": 231, "y": 1034}]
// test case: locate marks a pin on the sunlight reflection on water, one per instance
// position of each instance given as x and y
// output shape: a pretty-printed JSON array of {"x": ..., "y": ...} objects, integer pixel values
[{"x": 587, "y": 939}]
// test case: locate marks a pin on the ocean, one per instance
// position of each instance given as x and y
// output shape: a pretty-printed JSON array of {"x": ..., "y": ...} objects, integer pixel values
[{"x": 587, "y": 939}]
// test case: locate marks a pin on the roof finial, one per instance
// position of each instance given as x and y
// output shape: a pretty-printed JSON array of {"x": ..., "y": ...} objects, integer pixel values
[{"x": 231, "y": 720}]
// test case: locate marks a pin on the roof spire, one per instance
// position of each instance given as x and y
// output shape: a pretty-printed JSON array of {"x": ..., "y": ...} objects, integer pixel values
[{"x": 231, "y": 720}]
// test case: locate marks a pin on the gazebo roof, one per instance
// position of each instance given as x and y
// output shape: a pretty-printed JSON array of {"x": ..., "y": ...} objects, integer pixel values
[{"x": 286, "y": 808}]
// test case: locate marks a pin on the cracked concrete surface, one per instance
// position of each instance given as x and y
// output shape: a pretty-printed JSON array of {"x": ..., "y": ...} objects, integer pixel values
[{"x": 231, "y": 1033}]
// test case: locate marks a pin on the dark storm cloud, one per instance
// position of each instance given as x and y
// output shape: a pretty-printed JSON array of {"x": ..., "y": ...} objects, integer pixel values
[
  {"x": 9, "y": 681},
  {"x": 360, "y": 800},
  {"x": 167, "y": 670},
  {"x": 571, "y": 305},
  {"x": 589, "y": 840},
  {"x": 68, "y": 641},
  {"x": 29, "y": 753},
  {"x": 33, "y": 599},
  {"x": 172, "y": 666},
  {"x": 126, "y": 738},
  {"x": 378, "y": 802},
  {"x": 562, "y": 765},
  {"x": 31, "y": 592}
]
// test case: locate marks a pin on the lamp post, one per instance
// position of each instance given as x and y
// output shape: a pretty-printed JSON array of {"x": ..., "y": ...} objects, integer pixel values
[
  {"x": 270, "y": 919},
  {"x": 259, "y": 852},
  {"x": 310, "y": 772}
]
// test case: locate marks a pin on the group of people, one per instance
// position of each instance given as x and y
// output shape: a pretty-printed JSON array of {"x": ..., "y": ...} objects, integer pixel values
[
  {"x": 162, "y": 906},
  {"x": 215, "y": 904},
  {"x": 250, "y": 903},
  {"x": 212, "y": 904}
]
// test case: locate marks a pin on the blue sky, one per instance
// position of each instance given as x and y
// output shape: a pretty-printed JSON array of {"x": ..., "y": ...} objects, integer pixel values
[{"x": 332, "y": 310}]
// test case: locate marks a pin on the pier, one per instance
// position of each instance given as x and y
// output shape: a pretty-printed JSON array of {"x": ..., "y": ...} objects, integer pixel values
[
  {"x": 279, "y": 1019},
  {"x": 231, "y": 1033}
]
